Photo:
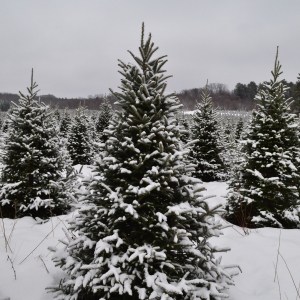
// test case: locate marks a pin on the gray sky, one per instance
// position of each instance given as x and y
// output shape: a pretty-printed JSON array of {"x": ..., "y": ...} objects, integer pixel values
[{"x": 74, "y": 45}]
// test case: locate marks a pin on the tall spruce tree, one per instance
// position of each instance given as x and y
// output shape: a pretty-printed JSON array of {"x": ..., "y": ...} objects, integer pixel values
[
  {"x": 206, "y": 151},
  {"x": 143, "y": 233},
  {"x": 32, "y": 182},
  {"x": 265, "y": 191},
  {"x": 79, "y": 144}
]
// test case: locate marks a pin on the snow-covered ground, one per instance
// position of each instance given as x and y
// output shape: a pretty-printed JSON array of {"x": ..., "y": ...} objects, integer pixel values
[{"x": 26, "y": 268}]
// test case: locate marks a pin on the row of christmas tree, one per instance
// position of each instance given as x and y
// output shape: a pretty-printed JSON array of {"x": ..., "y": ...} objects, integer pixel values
[{"x": 143, "y": 227}]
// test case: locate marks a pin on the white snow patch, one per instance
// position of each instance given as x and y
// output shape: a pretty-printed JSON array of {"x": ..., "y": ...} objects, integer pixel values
[{"x": 255, "y": 253}]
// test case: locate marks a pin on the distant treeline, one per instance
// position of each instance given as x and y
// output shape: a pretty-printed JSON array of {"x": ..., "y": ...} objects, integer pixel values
[
  {"x": 91, "y": 102},
  {"x": 240, "y": 98}
]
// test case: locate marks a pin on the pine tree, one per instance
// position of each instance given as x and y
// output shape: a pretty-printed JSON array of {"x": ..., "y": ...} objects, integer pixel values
[
  {"x": 206, "y": 151},
  {"x": 184, "y": 122},
  {"x": 105, "y": 115},
  {"x": 144, "y": 230},
  {"x": 79, "y": 144},
  {"x": 239, "y": 129},
  {"x": 32, "y": 183},
  {"x": 265, "y": 191},
  {"x": 5, "y": 125},
  {"x": 57, "y": 115},
  {"x": 65, "y": 124}
]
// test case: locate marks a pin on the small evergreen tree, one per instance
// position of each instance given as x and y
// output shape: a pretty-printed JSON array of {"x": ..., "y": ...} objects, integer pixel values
[
  {"x": 265, "y": 191},
  {"x": 5, "y": 124},
  {"x": 79, "y": 144},
  {"x": 206, "y": 151},
  {"x": 144, "y": 231},
  {"x": 31, "y": 179},
  {"x": 105, "y": 115},
  {"x": 65, "y": 124},
  {"x": 57, "y": 115},
  {"x": 186, "y": 132},
  {"x": 239, "y": 129}
]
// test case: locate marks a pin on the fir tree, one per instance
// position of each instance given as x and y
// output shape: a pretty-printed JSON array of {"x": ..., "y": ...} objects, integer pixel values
[
  {"x": 5, "y": 124},
  {"x": 239, "y": 129},
  {"x": 31, "y": 180},
  {"x": 206, "y": 151},
  {"x": 79, "y": 144},
  {"x": 185, "y": 134},
  {"x": 65, "y": 124},
  {"x": 105, "y": 115},
  {"x": 57, "y": 115},
  {"x": 143, "y": 233},
  {"x": 265, "y": 191}
]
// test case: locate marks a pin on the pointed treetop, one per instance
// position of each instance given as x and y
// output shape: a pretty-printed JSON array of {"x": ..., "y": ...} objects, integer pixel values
[
  {"x": 32, "y": 92},
  {"x": 31, "y": 77},
  {"x": 276, "y": 57},
  {"x": 33, "y": 84},
  {"x": 277, "y": 67},
  {"x": 206, "y": 85},
  {"x": 142, "y": 37},
  {"x": 206, "y": 92}
]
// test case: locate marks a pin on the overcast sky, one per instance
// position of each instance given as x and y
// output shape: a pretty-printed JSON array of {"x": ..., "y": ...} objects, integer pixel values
[{"x": 74, "y": 45}]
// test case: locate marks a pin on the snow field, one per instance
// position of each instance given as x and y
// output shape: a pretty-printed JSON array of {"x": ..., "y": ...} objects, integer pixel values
[
  {"x": 27, "y": 257},
  {"x": 256, "y": 252}
]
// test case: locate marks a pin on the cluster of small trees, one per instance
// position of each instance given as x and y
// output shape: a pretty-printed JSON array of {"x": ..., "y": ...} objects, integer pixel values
[
  {"x": 265, "y": 188},
  {"x": 262, "y": 161},
  {"x": 143, "y": 228},
  {"x": 242, "y": 97},
  {"x": 38, "y": 151}
]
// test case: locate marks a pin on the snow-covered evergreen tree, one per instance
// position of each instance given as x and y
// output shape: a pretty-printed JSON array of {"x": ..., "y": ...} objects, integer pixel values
[
  {"x": 143, "y": 232},
  {"x": 5, "y": 124},
  {"x": 105, "y": 115},
  {"x": 79, "y": 144},
  {"x": 186, "y": 132},
  {"x": 265, "y": 191},
  {"x": 206, "y": 151},
  {"x": 239, "y": 129},
  {"x": 230, "y": 127},
  {"x": 57, "y": 115},
  {"x": 65, "y": 124},
  {"x": 32, "y": 181}
]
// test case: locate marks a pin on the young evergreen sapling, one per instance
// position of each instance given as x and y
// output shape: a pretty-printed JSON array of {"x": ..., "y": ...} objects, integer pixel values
[
  {"x": 206, "y": 151},
  {"x": 79, "y": 143}
]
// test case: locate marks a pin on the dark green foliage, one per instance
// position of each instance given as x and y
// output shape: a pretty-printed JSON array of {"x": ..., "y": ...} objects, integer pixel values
[
  {"x": 246, "y": 91},
  {"x": 206, "y": 151},
  {"x": 105, "y": 115},
  {"x": 185, "y": 133},
  {"x": 4, "y": 105},
  {"x": 79, "y": 144},
  {"x": 65, "y": 124},
  {"x": 265, "y": 191},
  {"x": 239, "y": 129},
  {"x": 31, "y": 179},
  {"x": 5, "y": 124},
  {"x": 296, "y": 95}
]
